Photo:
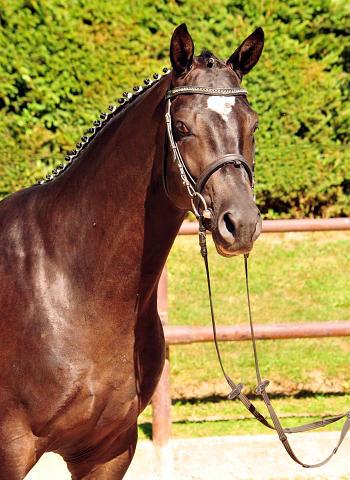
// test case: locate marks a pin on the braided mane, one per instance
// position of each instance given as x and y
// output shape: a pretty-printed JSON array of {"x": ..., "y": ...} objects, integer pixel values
[{"x": 126, "y": 99}]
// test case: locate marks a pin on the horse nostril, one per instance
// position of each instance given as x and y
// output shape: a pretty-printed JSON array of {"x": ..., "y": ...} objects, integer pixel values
[{"x": 229, "y": 224}]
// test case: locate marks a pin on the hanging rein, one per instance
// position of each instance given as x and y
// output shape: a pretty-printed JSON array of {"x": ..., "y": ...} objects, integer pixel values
[{"x": 194, "y": 189}]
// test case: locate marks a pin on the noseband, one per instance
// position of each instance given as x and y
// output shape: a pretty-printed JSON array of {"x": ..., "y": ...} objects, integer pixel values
[{"x": 194, "y": 187}]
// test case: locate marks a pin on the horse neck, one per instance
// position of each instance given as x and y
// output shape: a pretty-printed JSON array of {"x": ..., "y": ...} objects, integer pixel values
[{"x": 114, "y": 193}]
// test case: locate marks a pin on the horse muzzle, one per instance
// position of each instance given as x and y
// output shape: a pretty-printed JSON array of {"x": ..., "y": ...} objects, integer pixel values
[
  {"x": 234, "y": 233},
  {"x": 235, "y": 220}
]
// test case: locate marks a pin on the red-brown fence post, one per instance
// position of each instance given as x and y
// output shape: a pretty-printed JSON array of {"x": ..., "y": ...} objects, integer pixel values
[{"x": 161, "y": 401}]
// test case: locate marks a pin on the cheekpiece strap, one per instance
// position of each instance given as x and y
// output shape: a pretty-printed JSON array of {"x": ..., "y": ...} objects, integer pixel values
[{"x": 190, "y": 89}]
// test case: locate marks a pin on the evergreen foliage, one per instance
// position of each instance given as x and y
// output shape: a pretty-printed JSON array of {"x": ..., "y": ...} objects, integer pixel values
[{"x": 62, "y": 63}]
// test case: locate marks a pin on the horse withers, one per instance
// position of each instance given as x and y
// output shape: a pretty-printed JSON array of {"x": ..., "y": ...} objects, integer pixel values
[{"x": 82, "y": 346}]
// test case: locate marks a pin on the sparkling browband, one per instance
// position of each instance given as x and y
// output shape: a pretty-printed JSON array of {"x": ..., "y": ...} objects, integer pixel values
[{"x": 205, "y": 91}]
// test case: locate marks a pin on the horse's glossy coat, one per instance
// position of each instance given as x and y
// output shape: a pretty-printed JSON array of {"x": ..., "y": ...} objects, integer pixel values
[{"x": 82, "y": 347}]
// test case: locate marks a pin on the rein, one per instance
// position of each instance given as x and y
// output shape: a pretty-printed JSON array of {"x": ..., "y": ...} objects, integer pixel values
[
  {"x": 261, "y": 388},
  {"x": 194, "y": 189}
]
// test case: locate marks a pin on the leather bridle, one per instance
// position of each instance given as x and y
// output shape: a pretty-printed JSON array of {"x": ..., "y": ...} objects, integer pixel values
[{"x": 195, "y": 187}]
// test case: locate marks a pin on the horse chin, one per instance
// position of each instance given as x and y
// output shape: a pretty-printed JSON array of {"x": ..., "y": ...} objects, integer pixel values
[{"x": 228, "y": 254}]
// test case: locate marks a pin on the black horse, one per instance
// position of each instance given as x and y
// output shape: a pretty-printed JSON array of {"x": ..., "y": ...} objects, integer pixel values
[{"x": 82, "y": 346}]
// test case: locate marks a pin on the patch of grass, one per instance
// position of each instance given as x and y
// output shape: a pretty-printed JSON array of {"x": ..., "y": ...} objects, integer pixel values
[
  {"x": 216, "y": 428},
  {"x": 216, "y": 416},
  {"x": 293, "y": 277},
  {"x": 145, "y": 431}
]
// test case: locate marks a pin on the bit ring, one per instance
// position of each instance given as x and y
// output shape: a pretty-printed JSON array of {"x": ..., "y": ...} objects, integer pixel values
[{"x": 206, "y": 212}]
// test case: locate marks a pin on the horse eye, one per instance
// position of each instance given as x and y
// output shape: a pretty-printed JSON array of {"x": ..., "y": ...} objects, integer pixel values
[{"x": 182, "y": 127}]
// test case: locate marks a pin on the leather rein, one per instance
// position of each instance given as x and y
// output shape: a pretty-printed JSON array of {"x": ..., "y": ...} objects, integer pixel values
[{"x": 194, "y": 188}]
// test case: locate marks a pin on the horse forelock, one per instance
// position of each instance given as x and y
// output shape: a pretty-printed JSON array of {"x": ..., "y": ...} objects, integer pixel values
[
  {"x": 207, "y": 59},
  {"x": 208, "y": 70},
  {"x": 206, "y": 54}
]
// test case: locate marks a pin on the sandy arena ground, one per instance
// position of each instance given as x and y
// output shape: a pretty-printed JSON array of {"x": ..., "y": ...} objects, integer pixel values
[{"x": 258, "y": 457}]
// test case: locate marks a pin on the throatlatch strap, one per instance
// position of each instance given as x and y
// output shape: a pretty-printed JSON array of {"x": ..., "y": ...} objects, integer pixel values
[{"x": 261, "y": 388}]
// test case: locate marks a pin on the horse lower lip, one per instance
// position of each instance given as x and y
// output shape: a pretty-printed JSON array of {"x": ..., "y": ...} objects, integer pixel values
[
  {"x": 226, "y": 252},
  {"x": 234, "y": 250}
]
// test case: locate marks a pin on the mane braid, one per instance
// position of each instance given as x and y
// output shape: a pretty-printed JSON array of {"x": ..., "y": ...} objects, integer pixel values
[{"x": 128, "y": 97}]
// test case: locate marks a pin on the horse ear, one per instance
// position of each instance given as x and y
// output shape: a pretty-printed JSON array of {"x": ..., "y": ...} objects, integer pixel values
[
  {"x": 247, "y": 55},
  {"x": 181, "y": 50}
]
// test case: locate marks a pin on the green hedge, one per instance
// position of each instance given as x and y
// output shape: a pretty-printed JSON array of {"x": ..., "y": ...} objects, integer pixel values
[
  {"x": 62, "y": 63},
  {"x": 303, "y": 181}
]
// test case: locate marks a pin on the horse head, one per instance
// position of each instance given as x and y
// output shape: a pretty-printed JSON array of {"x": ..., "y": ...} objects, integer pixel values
[{"x": 211, "y": 131}]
